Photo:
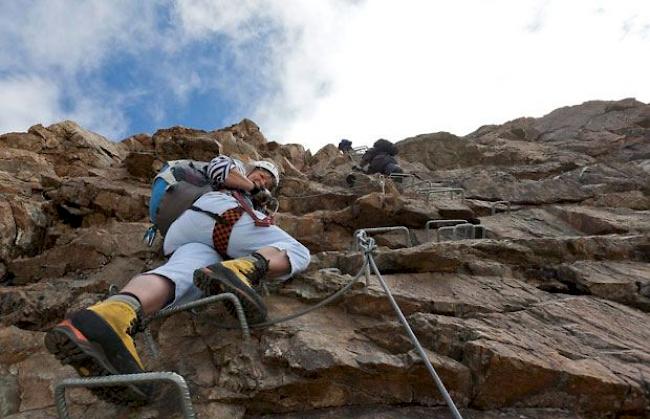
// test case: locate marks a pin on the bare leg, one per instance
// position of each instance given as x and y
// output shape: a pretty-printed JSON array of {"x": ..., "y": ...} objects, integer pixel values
[
  {"x": 278, "y": 261},
  {"x": 153, "y": 291}
]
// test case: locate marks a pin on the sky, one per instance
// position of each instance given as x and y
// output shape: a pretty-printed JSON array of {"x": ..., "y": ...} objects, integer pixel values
[{"x": 315, "y": 71}]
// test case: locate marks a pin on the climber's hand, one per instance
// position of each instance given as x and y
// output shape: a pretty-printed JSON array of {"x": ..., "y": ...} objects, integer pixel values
[{"x": 261, "y": 196}]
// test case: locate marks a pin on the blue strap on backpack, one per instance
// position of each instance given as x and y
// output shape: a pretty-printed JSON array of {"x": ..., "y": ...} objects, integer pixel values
[
  {"x": 158, "y": 189},
  {"x": 178, "y": 184}
]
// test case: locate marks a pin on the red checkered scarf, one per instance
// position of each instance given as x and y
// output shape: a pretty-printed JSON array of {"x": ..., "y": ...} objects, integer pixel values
[{"x": 221, "y": 231}]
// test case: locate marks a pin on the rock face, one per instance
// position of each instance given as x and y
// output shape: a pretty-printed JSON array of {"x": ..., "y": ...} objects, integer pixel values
[{"x": 543, "y": 316}]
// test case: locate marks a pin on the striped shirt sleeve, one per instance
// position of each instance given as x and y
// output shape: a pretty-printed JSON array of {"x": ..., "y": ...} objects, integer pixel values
[{"x": 220, "y": 167}]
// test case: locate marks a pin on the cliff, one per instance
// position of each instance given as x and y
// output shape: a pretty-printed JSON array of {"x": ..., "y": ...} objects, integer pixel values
[{"x": 545, "y": 317}]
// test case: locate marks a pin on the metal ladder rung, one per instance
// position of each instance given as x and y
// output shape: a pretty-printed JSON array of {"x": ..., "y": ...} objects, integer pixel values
[
  {"x": 178, "y": 380},
  {"x": 116, "y": 380},
  {"x": 239, "y": 310}
]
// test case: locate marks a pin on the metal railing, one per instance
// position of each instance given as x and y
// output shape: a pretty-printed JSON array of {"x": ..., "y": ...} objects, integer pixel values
[
  {"x": 458, "y": 193},
  {"x": 405, "y": 179},
  {"x": 152, "y": 347},
  {"x": 426, "y": 184},
  {"x": 430, "y": 188},
  {"x": 239, "y": 311},
  {"x": 496, "y": 205},
  {"x": 440, "y": 223},
  {"x": 356, "y": 153},
  {"x": 459, "y": 229},
  {"x": 458, "y": 232},
  {"x": 120, "y": 380},
  {"x": 361, "y": 150}
]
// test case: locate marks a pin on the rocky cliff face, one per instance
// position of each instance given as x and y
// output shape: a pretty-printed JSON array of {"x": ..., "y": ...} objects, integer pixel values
[{"x": 546, "y": 317}]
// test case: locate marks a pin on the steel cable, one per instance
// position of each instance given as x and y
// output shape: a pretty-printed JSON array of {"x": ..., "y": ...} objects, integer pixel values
[
  {"x": 309, "y": 309},
  {"x": 416, "y": 343}
]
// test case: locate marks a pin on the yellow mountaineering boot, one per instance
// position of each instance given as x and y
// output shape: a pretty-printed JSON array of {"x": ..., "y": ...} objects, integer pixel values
[
  {"x": 237, "y": 276},
  {"x": 98, "y": 341}
]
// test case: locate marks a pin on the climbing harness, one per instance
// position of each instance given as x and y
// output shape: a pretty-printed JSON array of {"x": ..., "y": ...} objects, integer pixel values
[
  {"x": 260, "y": 222},
  {"x": 181, "y": 182},
  {"x": 225, "y": 222}
]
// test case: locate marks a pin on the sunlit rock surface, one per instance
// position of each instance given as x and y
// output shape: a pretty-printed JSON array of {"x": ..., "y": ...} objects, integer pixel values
[{"x": 545, "y": 317}]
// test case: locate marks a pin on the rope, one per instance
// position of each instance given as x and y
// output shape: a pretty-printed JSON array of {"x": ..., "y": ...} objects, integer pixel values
[
  {"x": 347, "y": 192},
  {"x": 309, "y": 309},
  {"x": 320, "y": 304},
  {"x": 308, "y": 196}
]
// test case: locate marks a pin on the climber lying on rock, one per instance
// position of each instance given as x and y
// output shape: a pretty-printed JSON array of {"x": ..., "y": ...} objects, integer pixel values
[
  {"x": 380, "y": 158},
  {"x": 217, "y": 240}
]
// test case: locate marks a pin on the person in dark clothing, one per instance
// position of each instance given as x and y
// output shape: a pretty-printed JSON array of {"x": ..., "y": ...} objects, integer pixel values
[
  {"x": 345, "y": 145},
  {"x": 380, "y": 158}
]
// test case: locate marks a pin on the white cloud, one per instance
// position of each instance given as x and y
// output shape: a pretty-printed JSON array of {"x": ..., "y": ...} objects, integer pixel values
[
  {"x": 48, "y": 51},
  {"x": 400, "y": 69},
  {"x": 316, "y": 71},
  {"x": 22, "y": 98},
  {"x": 29, "y": 100},
  {"x": 71, "y": 37},
  {"x": 396, "y": 69},
  {"x": 234, "y": 19}
]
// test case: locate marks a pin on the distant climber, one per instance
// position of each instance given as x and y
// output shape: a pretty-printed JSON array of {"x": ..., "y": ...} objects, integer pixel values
[
  {"x": 345, "y": 145},
  {"x": 218, "y": 240},
  {"x": 380, "y": 158}
]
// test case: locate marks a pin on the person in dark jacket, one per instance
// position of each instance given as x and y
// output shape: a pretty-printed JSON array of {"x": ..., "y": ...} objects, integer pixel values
[
  {"x": 345, "y": 145},
  {"x": 380, "y": 158}
]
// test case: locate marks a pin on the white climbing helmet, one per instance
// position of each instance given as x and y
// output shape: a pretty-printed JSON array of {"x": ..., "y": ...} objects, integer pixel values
[{"x": 269, "y": 167}]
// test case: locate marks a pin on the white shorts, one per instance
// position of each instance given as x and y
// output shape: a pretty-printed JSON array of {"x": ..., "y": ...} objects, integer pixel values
[{"x": 189, "y": 244}]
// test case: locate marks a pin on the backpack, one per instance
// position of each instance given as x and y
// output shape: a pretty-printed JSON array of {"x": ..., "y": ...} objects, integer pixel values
[
  {"x": 385, "y": 146},
  {"x": 174, "y": 189}
]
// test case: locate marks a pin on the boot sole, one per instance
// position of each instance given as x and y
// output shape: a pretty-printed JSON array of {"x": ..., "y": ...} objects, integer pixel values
[
  {"x": 71, "y": 347},
  {"x": 222, "y": 280}
]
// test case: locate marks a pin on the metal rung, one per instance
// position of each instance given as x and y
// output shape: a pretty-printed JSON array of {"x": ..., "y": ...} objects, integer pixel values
[
  {"x": 455, "y": 231},
  {"x": 359, "y": 150},
  {"x": 400, "y": 178},
  {"x": 117, "y": 380},
  {"x": 479, "y": 231},
  {"x": 440, "y": 223},
  {"x": 401, "y": 175},
  {"x": 497, "y": 204},
  {"x": 239, "y": 310},
  {"x": 426, "y": 184},
  {"x": 453, "y": 192}
]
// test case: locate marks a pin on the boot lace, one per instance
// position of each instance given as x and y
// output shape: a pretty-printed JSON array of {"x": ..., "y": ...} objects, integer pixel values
[{"x": 135, "y": 325}]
